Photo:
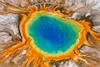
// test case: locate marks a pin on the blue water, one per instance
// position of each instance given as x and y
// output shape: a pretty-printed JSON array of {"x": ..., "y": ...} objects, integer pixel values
[{"x": 52, "y": 35}]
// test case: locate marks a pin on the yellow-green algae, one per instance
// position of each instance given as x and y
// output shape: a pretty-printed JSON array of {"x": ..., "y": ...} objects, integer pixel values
[{"x": 53, "y": 34}]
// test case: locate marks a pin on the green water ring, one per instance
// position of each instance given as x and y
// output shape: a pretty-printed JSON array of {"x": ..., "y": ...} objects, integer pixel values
[{"x": 52, "y": 34}]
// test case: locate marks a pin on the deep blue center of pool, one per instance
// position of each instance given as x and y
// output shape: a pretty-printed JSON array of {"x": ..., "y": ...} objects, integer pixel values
[{"x": 51, "y": 34}]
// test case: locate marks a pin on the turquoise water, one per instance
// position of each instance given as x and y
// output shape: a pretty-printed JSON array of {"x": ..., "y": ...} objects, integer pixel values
[{"x": 51, "y": 34}]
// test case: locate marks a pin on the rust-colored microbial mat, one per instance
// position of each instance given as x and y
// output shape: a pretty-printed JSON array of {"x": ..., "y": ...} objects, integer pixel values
[{"x": 48, "y": 34}]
